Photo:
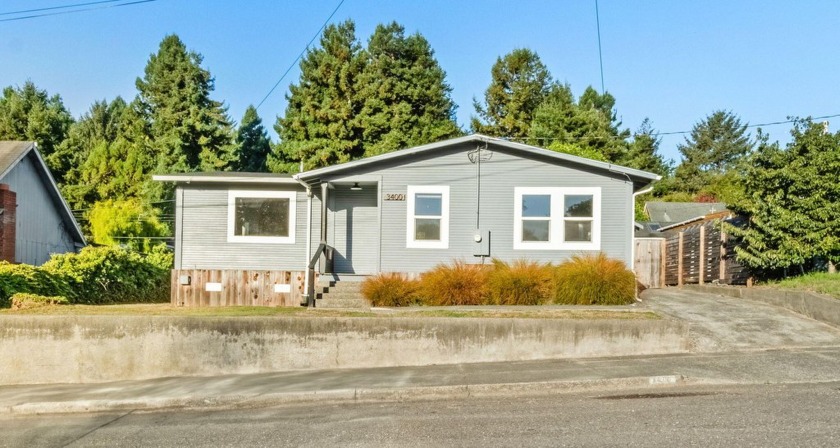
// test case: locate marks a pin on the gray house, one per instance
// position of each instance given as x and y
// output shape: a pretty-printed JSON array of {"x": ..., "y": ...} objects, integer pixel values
[
  {"x": 468, "y": 198},
  {"x": 35, "y": 221}
]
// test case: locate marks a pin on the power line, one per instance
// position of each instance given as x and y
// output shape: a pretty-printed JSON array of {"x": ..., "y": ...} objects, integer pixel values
[
  {"x": 50, "y": 8},
  {"x": 600, "y": 58},
  {"x": 292, "y": 65},
  {"x": 55, "y": 13},
  {"x": 772, "y": 123}
]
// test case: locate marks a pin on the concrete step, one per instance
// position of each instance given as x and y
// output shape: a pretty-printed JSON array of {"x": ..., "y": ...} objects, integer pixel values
[
  {"x": 343, "y": 303},
  {"x": 340, "y": 295}
]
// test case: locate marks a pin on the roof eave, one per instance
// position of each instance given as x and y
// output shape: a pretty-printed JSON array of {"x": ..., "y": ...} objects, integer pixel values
[{"x": 186, "y": 179}]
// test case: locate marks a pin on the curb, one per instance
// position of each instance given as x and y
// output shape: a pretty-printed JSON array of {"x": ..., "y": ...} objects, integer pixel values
[{"x": 360, "y": 395}]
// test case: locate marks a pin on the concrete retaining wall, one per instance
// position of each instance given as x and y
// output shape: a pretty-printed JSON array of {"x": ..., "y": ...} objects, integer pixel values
[
  {"x": 816, "y": 306},
  {"x": 80, "y": 349}
]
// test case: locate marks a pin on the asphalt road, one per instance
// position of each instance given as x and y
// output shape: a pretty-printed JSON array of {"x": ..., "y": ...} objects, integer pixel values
[{"x": 744, "y": 416}]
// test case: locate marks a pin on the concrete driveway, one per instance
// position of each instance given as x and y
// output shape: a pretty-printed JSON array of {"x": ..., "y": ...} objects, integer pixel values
[{"x": 720, "y": 323}]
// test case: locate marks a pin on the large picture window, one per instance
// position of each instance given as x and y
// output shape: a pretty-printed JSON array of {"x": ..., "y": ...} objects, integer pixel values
[
  {"x": 427, "y": 217},
  {"x": 261, "y": 216},
  {"x": 554, "y": 218}
]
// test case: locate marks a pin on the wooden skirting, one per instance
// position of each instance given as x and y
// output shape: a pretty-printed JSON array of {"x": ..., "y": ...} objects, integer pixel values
[{"x": 217, "y": 287}]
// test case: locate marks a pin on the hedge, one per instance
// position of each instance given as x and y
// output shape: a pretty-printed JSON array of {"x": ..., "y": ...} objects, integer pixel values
[{"x": 95, "y": 275}]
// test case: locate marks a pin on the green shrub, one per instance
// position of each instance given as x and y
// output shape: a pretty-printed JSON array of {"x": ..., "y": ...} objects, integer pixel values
[
  {"x": 25, "y": 301},
  {"x": 455, "y": 284},
  {"x": 24, "y": 278},
  {"x": 390, "y": 289},
  {"x": 594, "y": 280},
  {"x": 113, "y": 275},
  {"x": 521, "y": 282}
]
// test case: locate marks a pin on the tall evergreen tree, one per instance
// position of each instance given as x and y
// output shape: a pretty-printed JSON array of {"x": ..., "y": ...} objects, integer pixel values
[
  {"x": 520, "y": 83},
  {"x": 28, "y": 113},
  {"x": 405, "y": 98},
  {"x": 715, "y": 145},
  {"x": 253, "y": 142},
  {"x": 189, "y": 131},
  {"x": 792, "y": 201},
  {"x": 321, "y": 124},
  {"x": 643, "y": 151}
]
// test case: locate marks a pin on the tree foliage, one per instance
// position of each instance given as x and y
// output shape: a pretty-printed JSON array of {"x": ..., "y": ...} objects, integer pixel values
[
  {"x": 520, "y": 83},
  {"x": 128, "y": 223},
  {"x": 253, "y": 143},
  {"x": 716, "y": 145},
  {"x": 405, "y": 98},
  {"x": 352, "y": 102},
  {"x": 792, "y": 201},
  {"x": 28, "y": 113}
]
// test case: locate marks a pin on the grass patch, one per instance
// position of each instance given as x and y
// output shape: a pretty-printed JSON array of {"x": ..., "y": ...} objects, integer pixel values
[
  {"x": 261, "y": 311},
  {"x": 821, "y": 282}
]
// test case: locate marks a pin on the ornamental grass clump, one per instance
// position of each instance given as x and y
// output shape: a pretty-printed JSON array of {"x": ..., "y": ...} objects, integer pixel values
[
  {"x": 521, "y": 282},
  {"x": 458, "y": 283},
  {"x": 593, "y": 280},
  {"x": 26, "y": 301},
  {"x": 390, "y": 289}
]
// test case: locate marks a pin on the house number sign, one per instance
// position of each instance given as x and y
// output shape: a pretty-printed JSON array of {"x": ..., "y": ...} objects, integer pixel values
[{"x": 394, "y": 196}]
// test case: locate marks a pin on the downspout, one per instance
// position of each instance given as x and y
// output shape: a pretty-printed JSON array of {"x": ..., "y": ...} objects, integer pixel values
[
  {"x": 632, "y": 237},
  {"x": 308, "y": 238}
]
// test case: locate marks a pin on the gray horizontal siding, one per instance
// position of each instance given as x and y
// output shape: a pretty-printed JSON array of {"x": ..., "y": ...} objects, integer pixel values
[
  {"x": 40, "y": 229},
  {"x": 500, "y": 176},
  {"x": 201, "y": 242}
]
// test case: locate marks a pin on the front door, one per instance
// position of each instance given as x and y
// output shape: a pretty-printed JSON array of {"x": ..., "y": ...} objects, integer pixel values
[{"x": 356, "y": 220}]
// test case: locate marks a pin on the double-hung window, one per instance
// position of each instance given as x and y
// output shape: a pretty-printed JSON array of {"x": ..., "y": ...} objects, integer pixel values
[
  {"x": 551, "y": 218},
  {"x": 261, "y": 216},
  {"x": 427, "y": 217}
]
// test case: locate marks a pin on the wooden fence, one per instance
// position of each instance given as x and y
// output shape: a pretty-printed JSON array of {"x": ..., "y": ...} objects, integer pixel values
[
  {"x": 701, "y": 255},
  {"x": 216, "y": 287},
  {"x": 649, "y": 263}
]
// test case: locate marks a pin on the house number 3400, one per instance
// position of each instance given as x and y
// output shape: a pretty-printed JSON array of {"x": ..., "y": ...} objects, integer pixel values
[{"x": 394, "y": 196}]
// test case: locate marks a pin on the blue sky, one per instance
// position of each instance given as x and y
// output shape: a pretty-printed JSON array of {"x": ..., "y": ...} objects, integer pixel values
[{"x": 672, "y": 61}]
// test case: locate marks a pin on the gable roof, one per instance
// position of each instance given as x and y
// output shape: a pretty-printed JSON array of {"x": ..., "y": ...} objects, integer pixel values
[
  {"x": 12, "y": 153},
  {"x": 678, "y": 212},
  {"x": 640, "y": 178}
]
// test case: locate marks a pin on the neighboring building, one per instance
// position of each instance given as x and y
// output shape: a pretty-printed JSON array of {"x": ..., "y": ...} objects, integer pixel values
[
  {"x": 469, "y": 198},
  {"x": 35, "y": 221},
  {"x": 676, "y": 216}
]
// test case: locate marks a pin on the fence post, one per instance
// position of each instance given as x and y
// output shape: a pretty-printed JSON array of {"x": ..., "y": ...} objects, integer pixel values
[
  {"x": 680, "y": 260},
  {"x": 722, "y": 274},
  {"x": 664, "y": 257},
  {"x": 702, "y": 255}
]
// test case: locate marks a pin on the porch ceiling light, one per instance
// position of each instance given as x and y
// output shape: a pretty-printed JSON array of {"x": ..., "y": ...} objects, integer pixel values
[{"x": 356, "y": 187}]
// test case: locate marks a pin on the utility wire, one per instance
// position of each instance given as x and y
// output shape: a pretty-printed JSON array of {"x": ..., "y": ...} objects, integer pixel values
[
  {"x": 772, "y": 123},
  {"x": 55, "y": 13},
  {"x": 292, "y": 65},
  {"x": 50, "y": 8},
  {"x": 600, "y": 58}
]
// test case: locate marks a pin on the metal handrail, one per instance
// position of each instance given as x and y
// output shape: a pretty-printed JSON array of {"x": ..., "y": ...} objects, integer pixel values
[{"x": 310, "y": 296}]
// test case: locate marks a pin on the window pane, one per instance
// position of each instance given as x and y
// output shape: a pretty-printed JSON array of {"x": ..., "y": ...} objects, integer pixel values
[
  {"x": 428, "y": 204},
  {"x": 536, "y": 205},
  {"x": 262, "y": 217},
  {"x": 578, "y": 231},
  {"x": 535, "y": 230},
  {"x": 427, "y": 229},
  {"x": 579, "y": 205}
]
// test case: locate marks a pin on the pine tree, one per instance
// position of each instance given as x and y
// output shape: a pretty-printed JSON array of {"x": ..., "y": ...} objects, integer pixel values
[
  {"x": 520, "y": 83},
  {"x": 189, "y": 131},
  {"x": 405, "y": 99},
  {"x": 715, "y": 145},
  {"x": 792, "y": 201},
  {"x": 321, "y": 124},
  {"x": 643, "y": 152},
  {"x": 27, "y": 113},
  {"x": 590, "y": 123},
  {"x": 253, "y": 142}
]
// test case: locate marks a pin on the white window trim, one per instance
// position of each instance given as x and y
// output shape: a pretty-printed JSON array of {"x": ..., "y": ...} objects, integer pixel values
[
  {"x": 412, "y": 243},
  {"x": 557, "y": 226},
  {"x": 233, "y": 194}
]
